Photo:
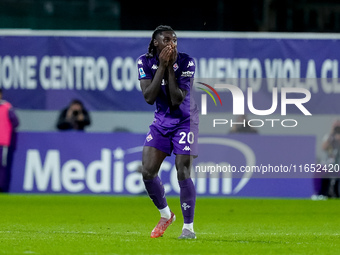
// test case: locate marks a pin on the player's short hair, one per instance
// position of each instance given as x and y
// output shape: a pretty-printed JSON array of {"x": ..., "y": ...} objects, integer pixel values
[{"x": 152, "y": 49}]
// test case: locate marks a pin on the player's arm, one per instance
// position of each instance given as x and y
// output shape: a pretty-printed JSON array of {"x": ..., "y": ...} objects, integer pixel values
[
  {"x": 13, "y": 118},
  {"x": 151, "y": 88},
  {"x": 177, "y": 95}
]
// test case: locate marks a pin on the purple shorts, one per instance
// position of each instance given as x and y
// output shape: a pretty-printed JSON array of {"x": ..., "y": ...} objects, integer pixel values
[{"x": 182, "y": 140}]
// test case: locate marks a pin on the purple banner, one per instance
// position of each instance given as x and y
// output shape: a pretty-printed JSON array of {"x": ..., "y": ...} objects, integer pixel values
[
  {"x": 46, "y": 71},
  {"x": 109, "y": 164}
]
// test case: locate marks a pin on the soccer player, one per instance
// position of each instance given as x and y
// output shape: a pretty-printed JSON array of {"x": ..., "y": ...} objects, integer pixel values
[{"x": 166, "y": 79}]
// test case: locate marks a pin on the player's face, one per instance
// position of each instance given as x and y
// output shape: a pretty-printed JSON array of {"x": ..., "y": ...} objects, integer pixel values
[{"x": 164, "y": 39}]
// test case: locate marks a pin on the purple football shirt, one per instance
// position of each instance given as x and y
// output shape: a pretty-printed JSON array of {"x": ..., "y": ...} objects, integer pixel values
[{"x": 165, "y": 116}]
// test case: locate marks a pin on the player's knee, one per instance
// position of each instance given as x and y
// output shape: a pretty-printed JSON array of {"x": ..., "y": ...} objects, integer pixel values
[
  {"x": 148, "y": 173},
  {"x": 183, "y": 174},
  {"x": 183, "y": 166}
]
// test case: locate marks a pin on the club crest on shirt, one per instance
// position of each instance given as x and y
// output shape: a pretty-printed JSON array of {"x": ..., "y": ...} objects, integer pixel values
[{"x": 175, "y": 66}]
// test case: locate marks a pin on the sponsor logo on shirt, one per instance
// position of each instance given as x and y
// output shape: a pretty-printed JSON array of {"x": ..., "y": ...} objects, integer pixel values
[
  {"x": 141, "y": 72},
  {"x": 187, "y": 73}
]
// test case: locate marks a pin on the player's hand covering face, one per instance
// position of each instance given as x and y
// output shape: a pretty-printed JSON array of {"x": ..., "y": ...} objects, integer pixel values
[
  {"x": 167, "y": 56},
  {"x": 166, "y": 43}
]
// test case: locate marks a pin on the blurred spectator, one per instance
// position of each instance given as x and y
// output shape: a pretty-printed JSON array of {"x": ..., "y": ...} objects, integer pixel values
[
  {"x": 74, "y": 117},
  {"x": 240, "y": 125},
  {"x": 329, "y": 186},
  {"x": 8, "y": 123}
]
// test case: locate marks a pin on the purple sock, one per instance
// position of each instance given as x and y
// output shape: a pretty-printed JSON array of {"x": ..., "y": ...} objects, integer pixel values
[
  {"x": 156, "y": 192},
  {"x": 188, "y": 199}
]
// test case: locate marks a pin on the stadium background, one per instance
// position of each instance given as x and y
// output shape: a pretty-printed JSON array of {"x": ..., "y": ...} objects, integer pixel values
[
  {"x": 218, "y": 24},
  {"x": 103, "y": 161}
]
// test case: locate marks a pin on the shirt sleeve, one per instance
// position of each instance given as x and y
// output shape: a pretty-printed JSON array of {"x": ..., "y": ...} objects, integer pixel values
[
  {"x": 144, "y": 71},
  {"x": 13, "y": 118},
  {"x": 187, "y": 74}
]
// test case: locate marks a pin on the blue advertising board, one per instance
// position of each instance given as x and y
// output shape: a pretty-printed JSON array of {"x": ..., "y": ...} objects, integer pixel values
[
  {"x": 46, "y": 70},
  {"x": 72, "y": 162}
]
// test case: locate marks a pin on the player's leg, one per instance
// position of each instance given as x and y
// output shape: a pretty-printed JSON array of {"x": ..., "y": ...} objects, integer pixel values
[
  {"x": 152, "y": 160},
  {"x": 187, "y": 194},
  {"x": 156, "y": 148},
  {"x": 183, "y": 166},
  {"x": 185, "y": 142}
]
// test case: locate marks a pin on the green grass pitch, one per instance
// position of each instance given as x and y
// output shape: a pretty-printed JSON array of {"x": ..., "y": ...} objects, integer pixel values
[{"x": 56, "y": 224}]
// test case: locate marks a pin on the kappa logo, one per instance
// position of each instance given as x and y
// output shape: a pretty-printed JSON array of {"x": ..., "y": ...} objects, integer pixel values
[
  {"x": 149, "y": 138},
  {"x": 185, "y": 206},
  {"x": 140, "y": 62},
  {"x": 186, "y": 148},
  {"x": 154, "y": 67},
  {"x": 191, "y": 63}
]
